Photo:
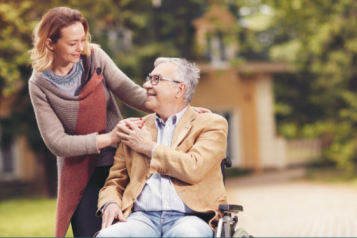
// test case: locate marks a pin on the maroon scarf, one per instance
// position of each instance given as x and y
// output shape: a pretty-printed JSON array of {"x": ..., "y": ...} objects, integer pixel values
[{"x": 77, "y": 171}]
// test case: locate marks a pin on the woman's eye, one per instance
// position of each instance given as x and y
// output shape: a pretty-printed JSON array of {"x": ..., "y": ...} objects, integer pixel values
[{"x": 72, "y": 44}]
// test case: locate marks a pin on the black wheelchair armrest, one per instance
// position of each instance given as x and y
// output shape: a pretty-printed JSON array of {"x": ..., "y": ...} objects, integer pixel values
[
  {"x": 230, "y": 208},
  {"x": 227, "y": 162}
]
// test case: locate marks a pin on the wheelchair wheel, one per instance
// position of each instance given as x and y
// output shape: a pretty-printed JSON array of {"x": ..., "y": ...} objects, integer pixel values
[{"x": 241, "y": 233}]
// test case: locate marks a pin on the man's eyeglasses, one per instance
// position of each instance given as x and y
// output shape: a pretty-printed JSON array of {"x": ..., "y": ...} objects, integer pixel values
[{"x": 155, "y": 79}]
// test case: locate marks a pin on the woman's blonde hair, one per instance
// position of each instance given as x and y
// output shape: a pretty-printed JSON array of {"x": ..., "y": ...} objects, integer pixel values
[{"x": 50, "y": 26}]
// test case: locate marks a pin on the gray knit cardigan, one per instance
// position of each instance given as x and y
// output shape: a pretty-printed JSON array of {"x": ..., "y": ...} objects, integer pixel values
[{"x": 56, "y": 112}]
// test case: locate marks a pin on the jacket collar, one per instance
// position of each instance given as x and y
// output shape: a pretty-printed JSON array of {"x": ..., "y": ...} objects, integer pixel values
[{"x": 181, "y": 130}]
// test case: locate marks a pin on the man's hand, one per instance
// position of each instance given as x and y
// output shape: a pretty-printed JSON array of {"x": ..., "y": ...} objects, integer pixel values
[
  {"x": 138, "y": 139},
  {"x": 111, "y": 212}
]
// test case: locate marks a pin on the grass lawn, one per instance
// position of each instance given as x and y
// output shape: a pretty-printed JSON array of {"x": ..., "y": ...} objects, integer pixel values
[
  {"x": 332, "y": 176},
  {"x": 28, "y": 217}
]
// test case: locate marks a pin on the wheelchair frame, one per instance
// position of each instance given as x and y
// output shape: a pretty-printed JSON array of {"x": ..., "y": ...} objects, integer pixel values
[{"x": 227, "y": 224}]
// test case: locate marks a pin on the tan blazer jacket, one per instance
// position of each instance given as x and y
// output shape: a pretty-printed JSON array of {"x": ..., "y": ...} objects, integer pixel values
[{"x": 193, "y": 162}]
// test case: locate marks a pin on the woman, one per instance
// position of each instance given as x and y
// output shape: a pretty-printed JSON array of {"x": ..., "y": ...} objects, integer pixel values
[{"x": 71, "y": 90}]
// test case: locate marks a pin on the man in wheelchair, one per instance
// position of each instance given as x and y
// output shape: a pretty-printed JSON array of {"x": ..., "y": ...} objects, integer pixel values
[{"x": 166, "y": 180}]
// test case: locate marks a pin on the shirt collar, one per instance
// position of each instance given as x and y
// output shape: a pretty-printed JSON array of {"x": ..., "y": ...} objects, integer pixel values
[{"x": 175, "y": 118}]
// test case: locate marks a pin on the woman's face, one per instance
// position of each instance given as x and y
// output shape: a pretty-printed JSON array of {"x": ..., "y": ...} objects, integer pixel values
[{"x": 69, "y": 47}]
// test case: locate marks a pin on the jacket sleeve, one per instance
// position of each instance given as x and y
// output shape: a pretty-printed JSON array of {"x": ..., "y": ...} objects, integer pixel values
[
  {"x": 124, "y": 88},
  {"x": 116, "y": 182},
  {"x": 207, "y": 151},
  {"x": 52, "y": 130}
]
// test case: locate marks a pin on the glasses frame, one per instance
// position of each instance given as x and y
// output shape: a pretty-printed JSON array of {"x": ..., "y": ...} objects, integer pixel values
[{"x": 149, "y": 78}]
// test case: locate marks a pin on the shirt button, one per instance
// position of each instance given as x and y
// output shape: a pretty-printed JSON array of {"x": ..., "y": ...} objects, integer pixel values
[{"x": 99, "y": 71}]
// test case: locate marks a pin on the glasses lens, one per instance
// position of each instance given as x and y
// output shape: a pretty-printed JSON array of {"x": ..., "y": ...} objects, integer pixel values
[{"x": 155, "y": 79}]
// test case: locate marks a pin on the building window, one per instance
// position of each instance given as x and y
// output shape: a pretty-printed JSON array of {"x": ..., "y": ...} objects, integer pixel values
[
  {"x": 234, "y": 150},
  {"x": 7, "y": 159},
  {"x": 216, "y": 51},
  {"x": 120, "y": 39}
]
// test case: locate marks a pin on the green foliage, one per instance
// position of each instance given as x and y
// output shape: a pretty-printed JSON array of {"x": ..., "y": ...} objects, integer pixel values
[
  {"x": 331, "y": 175},
  {"x": 16, "y": 27},
  {"x": 319, "y": 38}
]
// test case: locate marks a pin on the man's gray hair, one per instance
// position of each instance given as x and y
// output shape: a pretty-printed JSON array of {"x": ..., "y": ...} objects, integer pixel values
[{"x": 186, "y": 72}]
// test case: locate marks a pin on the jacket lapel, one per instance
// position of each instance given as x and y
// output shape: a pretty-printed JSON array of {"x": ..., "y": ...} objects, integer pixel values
[
  {"x": 151, "y": 126},
  {"x": 183, "y": 127}
]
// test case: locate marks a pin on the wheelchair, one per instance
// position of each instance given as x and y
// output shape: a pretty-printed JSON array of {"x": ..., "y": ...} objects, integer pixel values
[{"x": 227, "y": 224}]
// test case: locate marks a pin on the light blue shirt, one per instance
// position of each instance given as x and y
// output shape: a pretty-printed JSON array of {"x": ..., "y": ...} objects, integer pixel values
[{"x": 159, "y": 193}]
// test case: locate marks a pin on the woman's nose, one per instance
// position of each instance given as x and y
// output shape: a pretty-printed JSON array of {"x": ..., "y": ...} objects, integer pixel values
[{"x": 81, "y": 46}]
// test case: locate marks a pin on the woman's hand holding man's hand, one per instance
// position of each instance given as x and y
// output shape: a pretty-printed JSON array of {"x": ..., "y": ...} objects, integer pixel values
[
  {"x": 113, "y": 137},
  {"x": 139, "y": 139},
  {"x": 114, "y": 134}
]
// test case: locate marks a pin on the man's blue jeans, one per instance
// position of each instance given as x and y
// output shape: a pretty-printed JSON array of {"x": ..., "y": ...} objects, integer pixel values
[{"x": 159, "y": 224}]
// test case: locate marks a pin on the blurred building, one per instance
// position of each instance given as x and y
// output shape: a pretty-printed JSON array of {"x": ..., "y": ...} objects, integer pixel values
[
  {"x": 241, "y": 92},
  {"x": 18, "y": 167}
]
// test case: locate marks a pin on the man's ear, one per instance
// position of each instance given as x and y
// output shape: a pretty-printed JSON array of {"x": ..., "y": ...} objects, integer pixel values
[
  {"x": 49, "y": 44},
  {"x": 181, "y": 89}
]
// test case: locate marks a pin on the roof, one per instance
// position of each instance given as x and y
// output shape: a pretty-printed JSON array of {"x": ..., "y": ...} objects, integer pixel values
[{"x": 217, "y": 17}]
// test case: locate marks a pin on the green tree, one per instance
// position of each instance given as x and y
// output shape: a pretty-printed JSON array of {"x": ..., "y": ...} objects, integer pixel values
[{"x": 319, "y": 39}]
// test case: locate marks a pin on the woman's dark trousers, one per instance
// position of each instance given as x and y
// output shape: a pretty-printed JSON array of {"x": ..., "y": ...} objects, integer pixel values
[{"x": 84, "y": 222}]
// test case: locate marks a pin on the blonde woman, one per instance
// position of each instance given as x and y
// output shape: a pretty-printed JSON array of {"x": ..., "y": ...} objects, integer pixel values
[{"x": 71, "y": 91}]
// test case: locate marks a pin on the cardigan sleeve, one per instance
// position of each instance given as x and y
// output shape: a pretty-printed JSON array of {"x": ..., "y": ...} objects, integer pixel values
[
  {"x": 52, "y": 130},
  {"x": 124, "y": 88}
]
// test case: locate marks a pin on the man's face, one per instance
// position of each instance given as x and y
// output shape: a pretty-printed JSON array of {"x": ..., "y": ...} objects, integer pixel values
[{"x": 163, "y": 94}]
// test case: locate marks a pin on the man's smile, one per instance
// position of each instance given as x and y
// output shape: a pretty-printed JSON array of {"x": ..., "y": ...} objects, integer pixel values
[{"x": 150, "y": 94}]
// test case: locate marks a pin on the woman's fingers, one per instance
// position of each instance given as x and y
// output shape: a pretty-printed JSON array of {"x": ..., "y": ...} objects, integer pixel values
[
  {"x": 136, "y": 121},
  {"x": 201, "y": 110},
  {"x": 131, "y": 125},
  {"x": 123, "y": 136},
  {"x": 124, "y": 128}
]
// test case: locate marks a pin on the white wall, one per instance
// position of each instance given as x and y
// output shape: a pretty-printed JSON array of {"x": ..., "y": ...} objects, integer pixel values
[{"x": 272, "y": 149}]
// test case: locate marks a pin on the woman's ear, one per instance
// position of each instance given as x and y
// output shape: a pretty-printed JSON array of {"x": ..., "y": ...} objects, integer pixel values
[
  {"x": 49, "y": 44},
  {"x": 181, "y": 89}
]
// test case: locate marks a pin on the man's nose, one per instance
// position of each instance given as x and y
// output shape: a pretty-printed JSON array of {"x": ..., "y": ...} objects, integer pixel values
[{"x": 147, "y": 85}]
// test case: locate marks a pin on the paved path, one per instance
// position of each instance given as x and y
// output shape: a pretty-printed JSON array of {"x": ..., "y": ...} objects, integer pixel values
[{"x": 277, "y": 206}]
